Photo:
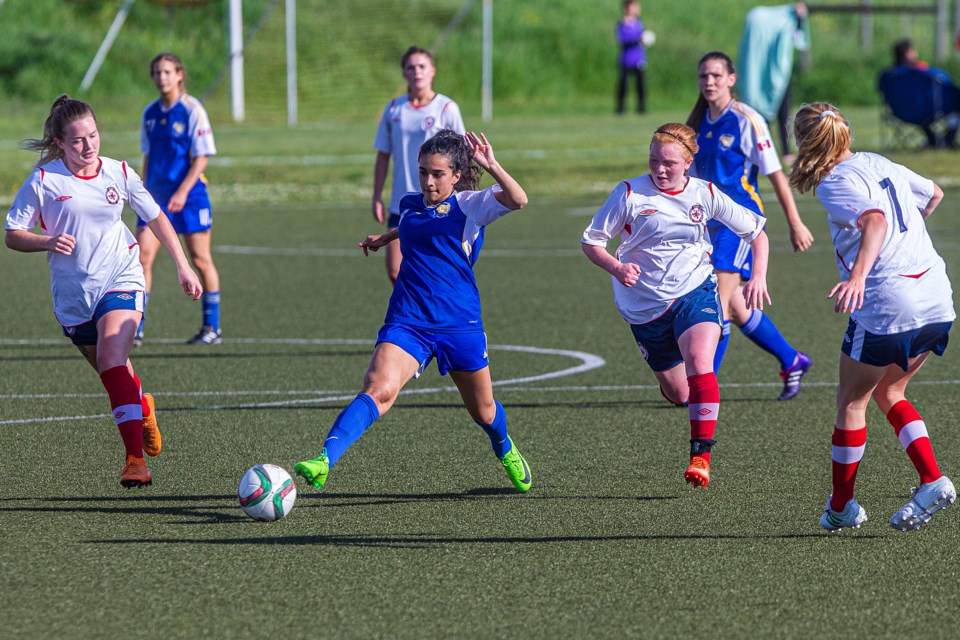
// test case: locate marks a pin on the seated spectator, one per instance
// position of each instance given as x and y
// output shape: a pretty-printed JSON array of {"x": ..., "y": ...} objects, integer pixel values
[{"x": 905, "y": 56}]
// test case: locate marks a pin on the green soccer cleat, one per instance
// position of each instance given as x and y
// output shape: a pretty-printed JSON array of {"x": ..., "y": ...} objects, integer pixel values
[
  {"x": 517, "y": 469},
  {"x": 314, "y": 471}
]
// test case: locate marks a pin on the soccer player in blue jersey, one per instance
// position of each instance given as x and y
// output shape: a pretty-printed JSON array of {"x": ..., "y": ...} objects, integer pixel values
[
  {"x": 735, "y": 147},
  {"x": 434, "y": 311},
  {"x": 176, "y": 140}
]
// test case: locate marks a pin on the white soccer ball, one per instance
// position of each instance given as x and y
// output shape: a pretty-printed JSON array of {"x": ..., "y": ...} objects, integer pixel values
[
  {"x": 266, "y": 492},
  {"x": 648, "y": 38}
]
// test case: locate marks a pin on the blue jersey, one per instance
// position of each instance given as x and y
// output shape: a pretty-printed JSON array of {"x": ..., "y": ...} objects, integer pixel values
[
  {"x": 735, "y": 149},
  {"x": 436, "y": 288},
  {"x": 171, "y": 138}
]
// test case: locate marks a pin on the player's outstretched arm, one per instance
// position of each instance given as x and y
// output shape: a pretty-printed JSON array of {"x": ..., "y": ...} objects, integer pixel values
[
  {"x": 800, "y": 236},
  {"x": 513, "y": 196},
  {"x": 165, "y": 233},
  {"x": 373, "y": 243}
]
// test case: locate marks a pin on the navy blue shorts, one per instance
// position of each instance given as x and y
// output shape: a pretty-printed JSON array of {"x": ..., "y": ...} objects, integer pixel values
[
  {"x": 193, "y": 218},
  {"x": 730, "y": 252},
  {"x": 393, "y": 221},
  {"x": 896, "y": 348},
  {"x": 466, "y": 351},
  {"x": 658, "y": 339},
  {"x": 86, "y": 333}
]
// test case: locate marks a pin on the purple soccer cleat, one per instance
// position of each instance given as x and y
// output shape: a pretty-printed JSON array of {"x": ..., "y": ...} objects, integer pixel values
[{"x": 792, "y": 376}]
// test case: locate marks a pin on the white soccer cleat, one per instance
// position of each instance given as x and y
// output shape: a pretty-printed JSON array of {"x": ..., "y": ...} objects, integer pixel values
[
  {"x": 927, "y": 500},
  {"x": 851, "y": 517}
]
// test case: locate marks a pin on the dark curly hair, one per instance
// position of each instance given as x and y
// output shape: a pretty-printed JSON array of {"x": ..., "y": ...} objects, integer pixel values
[{"x": 453, "y": 146}]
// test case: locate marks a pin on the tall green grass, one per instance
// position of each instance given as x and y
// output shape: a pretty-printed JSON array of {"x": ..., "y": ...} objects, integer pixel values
[{"x": 551, "y": 56}]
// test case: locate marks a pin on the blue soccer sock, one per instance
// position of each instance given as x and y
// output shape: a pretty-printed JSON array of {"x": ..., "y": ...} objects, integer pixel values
[
  {"x": 349, "y": 426},
  {"x": 721, "y": 347},
  {"x": 763, "y": 333},
  {"x": 146, "y": 299},
  {"x": 497, "y": 431},
  {"x": 211, "y": 309}
]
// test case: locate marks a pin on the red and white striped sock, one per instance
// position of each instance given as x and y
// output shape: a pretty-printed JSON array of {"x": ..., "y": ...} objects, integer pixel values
[
  {"x": 125, "y": 402},
  {"x": 704, "y": 407},
  {"x": 912, "y": 432},
  {"x": 848, "y": 447}
]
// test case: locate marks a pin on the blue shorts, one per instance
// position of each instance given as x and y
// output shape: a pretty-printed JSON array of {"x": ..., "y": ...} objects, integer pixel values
[
  {"x": 658, "y": 338},
  {"x": 393, "y": 221},
  {"x": 730, "y": 252},
  {"x": 193, "y": 218},
  {"x": 453, "y": 351},
  {"x": 896, "y": 348},
  {"x": 86, "y": 333}
]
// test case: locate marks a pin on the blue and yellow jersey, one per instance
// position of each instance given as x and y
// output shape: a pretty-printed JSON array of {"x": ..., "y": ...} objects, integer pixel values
[
  {"x": 734, "y": 150},
  {"x": 436, "y": 288},
  {"x": 171, "y": 138}
]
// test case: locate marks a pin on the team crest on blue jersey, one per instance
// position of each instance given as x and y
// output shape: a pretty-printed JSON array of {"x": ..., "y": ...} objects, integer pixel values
[
  {"x": 112, "y": 195},
  {"x": 427, "y": 123},
  {"x": 696, "y": 213},
  {"x": 442, "y": 209},
  {"x": 726, "y": 141},
  {"x": 179, "y": 128}
]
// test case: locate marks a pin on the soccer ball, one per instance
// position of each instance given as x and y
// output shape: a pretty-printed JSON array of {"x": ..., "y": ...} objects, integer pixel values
[
  {"x": 266, "y": 492},
  {"x": 648, "y": 38}
]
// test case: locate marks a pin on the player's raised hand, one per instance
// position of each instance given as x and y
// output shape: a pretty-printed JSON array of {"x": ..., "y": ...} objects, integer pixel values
[{"x": 481, "y": 149}]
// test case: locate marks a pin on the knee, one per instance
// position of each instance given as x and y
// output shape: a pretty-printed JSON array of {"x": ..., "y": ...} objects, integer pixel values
[
  {"x": 886, "y": 397},
  {"x": 675, "y": 394},
  {"x": 383, "y": 396},
  {"x": 485, "y": 413},
  {"x": 201, "y": 263}
]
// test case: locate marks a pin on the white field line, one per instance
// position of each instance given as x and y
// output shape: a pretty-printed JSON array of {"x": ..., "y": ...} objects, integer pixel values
[{"x": 588, "y": 362}]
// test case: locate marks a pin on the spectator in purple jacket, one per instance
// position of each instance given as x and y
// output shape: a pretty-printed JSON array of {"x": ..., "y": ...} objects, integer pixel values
[{"x": 633, "y": 54}]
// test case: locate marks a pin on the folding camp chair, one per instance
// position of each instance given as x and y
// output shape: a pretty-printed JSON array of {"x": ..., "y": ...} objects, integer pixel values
[{"x": 924, "y": 98}]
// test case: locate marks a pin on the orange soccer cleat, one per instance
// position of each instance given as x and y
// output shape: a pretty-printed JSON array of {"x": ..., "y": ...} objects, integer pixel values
[
  {"x": 152, "y": 442},
  {"x": 135, "y": 473},
  {"x": 698, "y": 473}
]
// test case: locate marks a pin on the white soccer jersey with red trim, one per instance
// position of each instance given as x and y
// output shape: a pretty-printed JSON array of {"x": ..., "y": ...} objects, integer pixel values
[
  {"x": 106, "y": 256},
  {"x": 908, "y": 285},
  {"x": 664, "y": 233},
  {"x": 403, "y": 128}
]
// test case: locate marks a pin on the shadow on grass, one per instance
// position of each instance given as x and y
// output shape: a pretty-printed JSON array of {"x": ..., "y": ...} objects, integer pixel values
[
  {"x": 428, "y": 540},
  {"x": 214, "y": 512}
]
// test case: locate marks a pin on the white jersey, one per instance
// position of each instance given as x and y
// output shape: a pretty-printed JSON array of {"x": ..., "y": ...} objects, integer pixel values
[
  {"x": 106, "y": 256},
  {"x": 403, "y": 128},
  {"x": 664, "y": 233},
  {"x": 908, "y": 285}
]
